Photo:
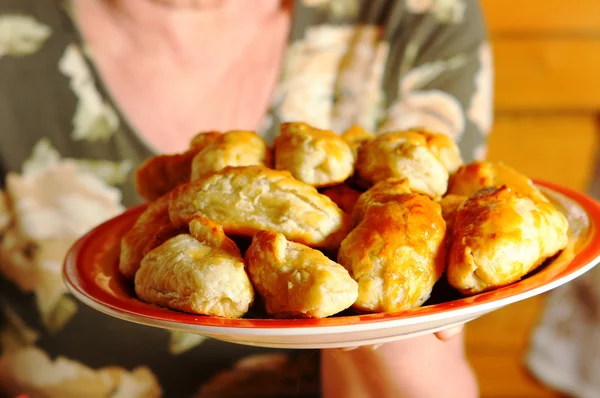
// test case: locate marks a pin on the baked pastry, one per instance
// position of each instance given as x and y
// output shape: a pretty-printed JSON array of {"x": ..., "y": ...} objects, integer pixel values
[
  {"x": 187, "y": 275},
  {"x": 162, "y": 173},
  {"x": 211, "y": 234},
  {"x": 382, "y": 192},
  {"x": 450, "y": 205},
  {"x": 403, "y": 154},
  {"x": 499, "y": 236},
  {"x": 152, "y": 228},
  {"x": 342, "y": 195},
  {"x": 477, "y": 175},
  {"x": 396, "y": 254},
  {"x": 355, "y": 136},
  {"x": 201, "y": 140},
  {"x": 316, "y": 157},
  {"x": 421, "y": 210},
  {"x": 248, "y": 199},
  {"x": 444, "y": 148},
  {"x": 296, "y": 281},
  {"x": 234, "y": 148}
]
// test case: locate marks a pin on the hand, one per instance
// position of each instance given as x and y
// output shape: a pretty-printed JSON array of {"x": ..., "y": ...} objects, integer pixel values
[
  {"x": 442, "y": 335},
  {"x": 449, "y": 334},
  {"x": 402, "y": 368}
]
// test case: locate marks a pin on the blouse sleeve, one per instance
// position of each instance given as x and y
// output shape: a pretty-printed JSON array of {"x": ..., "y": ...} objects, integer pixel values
[{"x": 442, "y": 62}]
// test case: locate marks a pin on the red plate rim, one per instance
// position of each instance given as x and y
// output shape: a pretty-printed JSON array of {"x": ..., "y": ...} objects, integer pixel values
[{"x": 90, "y": 291}]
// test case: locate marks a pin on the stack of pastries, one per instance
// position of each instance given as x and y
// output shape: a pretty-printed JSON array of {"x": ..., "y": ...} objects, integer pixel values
[{"x": 321, "y": 223}]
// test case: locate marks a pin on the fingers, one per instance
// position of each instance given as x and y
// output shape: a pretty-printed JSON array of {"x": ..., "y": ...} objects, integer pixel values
[
  {"x": 449, "y": 334},
  {"x": 442, "y": 335},
  {"x": 364, "y": 347}
]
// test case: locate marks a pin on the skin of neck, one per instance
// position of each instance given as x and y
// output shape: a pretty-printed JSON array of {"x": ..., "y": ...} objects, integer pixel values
[{"x": 175, "y": 26}]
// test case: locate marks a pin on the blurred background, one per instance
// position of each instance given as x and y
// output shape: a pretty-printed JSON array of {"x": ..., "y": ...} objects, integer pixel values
[{"x": 547, "y": 122}]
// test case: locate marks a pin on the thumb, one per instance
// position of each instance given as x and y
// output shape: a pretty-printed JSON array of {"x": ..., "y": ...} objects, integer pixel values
[{"x": 449, "y": 334}]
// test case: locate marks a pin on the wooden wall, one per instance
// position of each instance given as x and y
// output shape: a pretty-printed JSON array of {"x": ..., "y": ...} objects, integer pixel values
[
  {"x": 547, "y": 101},
  {"x": 547, "y": 86}
]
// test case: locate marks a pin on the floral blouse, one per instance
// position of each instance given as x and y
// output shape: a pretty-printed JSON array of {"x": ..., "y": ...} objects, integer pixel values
[{"x": 67, "y": 156}]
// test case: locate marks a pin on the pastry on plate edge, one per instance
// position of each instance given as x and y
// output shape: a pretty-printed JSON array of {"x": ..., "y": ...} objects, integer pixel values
[{"x": 499, "y": 236}]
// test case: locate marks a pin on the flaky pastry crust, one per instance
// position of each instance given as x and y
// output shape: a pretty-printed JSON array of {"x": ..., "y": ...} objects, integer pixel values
[
  {"x": 450, "y": 205},
  {"x": 152, "y": 228},
  {"x": 444, "y": 148},
  {"x": 202, "y": 139},
  {"x": 342, "y": 195},
  {"x": 501, "y": 235},
  {"x": 297, "y": 281},
  {"x": 481, "y": 174},
  {"x": 403, "y": 154},
  {"x": 161, "y": 174},
  {"x": 396, "y": 254},
  {"x": 211, "y": 234},
  {"x": 316, "y": 157},
  {"x": 382, "y": 192},
  {"x": 245, "y": 200},
  {"x": 355, "y": 136},
  {"x": 234, "y": 148},
  {"x": 184, "y": 274}
]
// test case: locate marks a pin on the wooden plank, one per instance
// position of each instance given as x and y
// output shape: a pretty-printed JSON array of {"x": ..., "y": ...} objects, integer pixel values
[
  {"x": 557, "y": 148},
  {"x": 503, "y": 376},
  {"x": 542, "y": 16},
  {"x": 505, "y": 331},
  {"x": 547, "y": 74},
  {"x": 496, "y": 344}
]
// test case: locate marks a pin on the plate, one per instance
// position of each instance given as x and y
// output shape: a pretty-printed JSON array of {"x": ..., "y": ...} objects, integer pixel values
[{"x": 91, "y": 274}]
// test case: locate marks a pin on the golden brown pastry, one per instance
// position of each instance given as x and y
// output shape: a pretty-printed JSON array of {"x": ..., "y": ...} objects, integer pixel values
[
  {"x": 316, "y": 157},
  {"x": 355, "y": 136},
  {"x": 201, "y": 140},
  {"x": 444, "y": 148},
  {"x": 343, "y": 196},
  {"x": 499, "y": 236},
  {"x": 297, "y": 281},
  {"x": 472, "y": 177},
  {"x": 152, "y": 228},
  {"x": 234, "y": 148},
  {"x": 184, "y": 274},
  {"x": 396, "y": 254},
  {"x": 403, "y": 154},
  {"x": 382, "y": 192},
  {"x": 211, "y": 234},
  {"x": 245, "y": 200},
  {"x": 450, "y": 204},
  {"x": 162, "y": 173}
]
